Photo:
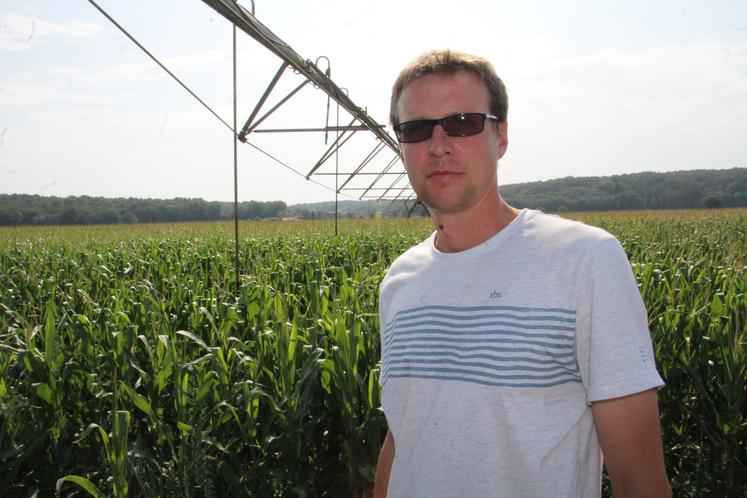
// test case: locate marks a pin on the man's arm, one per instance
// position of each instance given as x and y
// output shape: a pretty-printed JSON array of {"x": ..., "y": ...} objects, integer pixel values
[
  {"x": 630, "y": 436},
  {"x": 384, "y": 466}
]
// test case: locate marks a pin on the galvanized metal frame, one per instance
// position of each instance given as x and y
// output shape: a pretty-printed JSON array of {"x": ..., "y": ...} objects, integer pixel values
[{"x": 393, "y": 191}]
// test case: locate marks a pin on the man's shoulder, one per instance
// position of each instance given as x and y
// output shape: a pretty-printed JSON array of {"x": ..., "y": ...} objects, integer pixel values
[
  {"x": 562, "y": 231},
  {"x": 562, "y": 241}
]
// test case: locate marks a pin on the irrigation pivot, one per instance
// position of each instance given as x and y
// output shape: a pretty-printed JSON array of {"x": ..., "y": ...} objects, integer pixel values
[{"x": 387, "y": 184}]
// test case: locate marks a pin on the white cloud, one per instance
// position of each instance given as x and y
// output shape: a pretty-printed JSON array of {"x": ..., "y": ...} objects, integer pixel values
[
  {"x": 21, "y": 91},
  {"x": 149, "y": 71},
  {"x": 79, "y": 85},
  {"x": 17, "y": 32},
  {"x": 611, "y": 111}
]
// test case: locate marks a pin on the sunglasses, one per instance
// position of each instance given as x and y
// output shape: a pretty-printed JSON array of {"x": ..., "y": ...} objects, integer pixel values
[{"x": 463, "y": 124}]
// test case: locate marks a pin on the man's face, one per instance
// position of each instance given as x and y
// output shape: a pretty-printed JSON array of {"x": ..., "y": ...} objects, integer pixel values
[{"x": 451, "y": 174}]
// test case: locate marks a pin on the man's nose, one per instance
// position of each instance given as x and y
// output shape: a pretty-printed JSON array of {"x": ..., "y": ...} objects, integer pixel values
[{"x": 439, "y": 143}]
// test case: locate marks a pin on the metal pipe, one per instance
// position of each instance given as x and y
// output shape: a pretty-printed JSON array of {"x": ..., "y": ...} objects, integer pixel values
[
  {"x": 379, "y": 147},
  {"x": 325, "y": 129},
  {"x": 276, "y": 106},
  {"x": 235, "y": 174},
  {"x": 328, "y": 153},
  {"x": 382, "y": 173},
  {"x": 245, "y": 130}
]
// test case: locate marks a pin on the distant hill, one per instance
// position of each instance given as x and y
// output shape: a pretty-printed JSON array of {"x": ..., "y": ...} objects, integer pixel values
[
  {"x": 351, "y": 209},
  {"x": 674, "y": 190},
  {"x": 21, "y": 209}
]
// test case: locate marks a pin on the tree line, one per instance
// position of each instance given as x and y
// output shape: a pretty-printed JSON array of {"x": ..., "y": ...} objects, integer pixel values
[
  {"x": 352, "y": 209},
  {"x": 674, "y": 190},
  {"x": 21, "y": 209}
]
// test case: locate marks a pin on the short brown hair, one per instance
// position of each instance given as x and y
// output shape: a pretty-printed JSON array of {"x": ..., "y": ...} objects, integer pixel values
[{"x": 450, "y": 62}]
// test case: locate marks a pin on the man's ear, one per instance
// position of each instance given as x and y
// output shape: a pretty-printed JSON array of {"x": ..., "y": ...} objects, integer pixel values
[{"x": 502, "y": 138}]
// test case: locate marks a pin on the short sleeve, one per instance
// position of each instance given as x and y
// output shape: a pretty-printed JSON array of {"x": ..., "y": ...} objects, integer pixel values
[{"x": 613, "y": 344}]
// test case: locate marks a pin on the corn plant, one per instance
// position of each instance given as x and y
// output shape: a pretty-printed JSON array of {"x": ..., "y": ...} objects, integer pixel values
[{"x": 131, "y": 366}]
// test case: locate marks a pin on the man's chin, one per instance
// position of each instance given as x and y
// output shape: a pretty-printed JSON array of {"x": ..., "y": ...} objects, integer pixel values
[{"x": 446, "y": 206}]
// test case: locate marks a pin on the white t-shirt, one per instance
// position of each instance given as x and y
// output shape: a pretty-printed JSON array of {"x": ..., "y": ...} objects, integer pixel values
[{"x": 492, "y": 356}]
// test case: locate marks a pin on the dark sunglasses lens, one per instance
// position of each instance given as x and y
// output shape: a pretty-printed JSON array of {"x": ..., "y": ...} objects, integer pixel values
[
  {"x": 415, "y": 131},
  {"x": 458, "y": 125},
  {"x": 463, "y": 125}
]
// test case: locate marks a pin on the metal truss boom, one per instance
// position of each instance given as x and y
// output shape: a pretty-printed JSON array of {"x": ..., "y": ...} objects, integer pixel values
[
  {"x": 249, "y": 24},
  {"x": 395, "y": 188}
]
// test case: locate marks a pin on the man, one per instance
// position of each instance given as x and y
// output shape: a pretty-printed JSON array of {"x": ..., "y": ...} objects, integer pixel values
[{"x": 515, "y": 348}]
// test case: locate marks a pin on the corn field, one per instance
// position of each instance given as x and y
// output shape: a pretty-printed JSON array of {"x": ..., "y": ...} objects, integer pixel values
[{"x": 131, "y": 366}]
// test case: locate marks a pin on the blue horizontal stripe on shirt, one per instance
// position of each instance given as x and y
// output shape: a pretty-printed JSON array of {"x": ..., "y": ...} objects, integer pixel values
[
  {"x": 489, "y": 366},
  {"x": 486, "y": 308},
  {"x": 525, "y": 326},
  {"x": 482, "y": 381},
  {"x": 480, "y": 374},
  {"x": 465, "y": 337},
  {"x": 505, "y": 359},
  {"x": 483, "y": 316},
  {"x": 404, "y": 318},
  {"x": 402, "y": 334},
  {"x": 481, "y": 346},
  {"x": 501, "y": 335}
]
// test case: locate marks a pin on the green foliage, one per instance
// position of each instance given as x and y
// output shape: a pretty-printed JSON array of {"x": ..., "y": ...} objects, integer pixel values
[
  {"x": 691, "y": 268},
  {"x": 352, "y": 209},
  {"x": 674, "y": 190},
  {"x": 129, "y": 366},
  {"x": 712, "y": 202},
  {"x": 20, "y": 209}
]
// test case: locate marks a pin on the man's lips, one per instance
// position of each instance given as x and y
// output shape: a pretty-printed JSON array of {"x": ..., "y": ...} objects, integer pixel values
[{"x": 443, "y": 174}]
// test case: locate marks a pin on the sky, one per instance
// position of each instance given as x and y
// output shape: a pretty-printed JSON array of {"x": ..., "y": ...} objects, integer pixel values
[{"x": 595, "y": 88}]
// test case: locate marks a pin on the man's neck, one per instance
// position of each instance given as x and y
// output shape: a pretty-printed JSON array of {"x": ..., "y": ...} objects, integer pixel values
[{"x": 462, "y": 231}]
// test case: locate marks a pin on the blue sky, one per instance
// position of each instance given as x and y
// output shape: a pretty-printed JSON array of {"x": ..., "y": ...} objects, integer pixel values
[{"x": 596, "y": 88}]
